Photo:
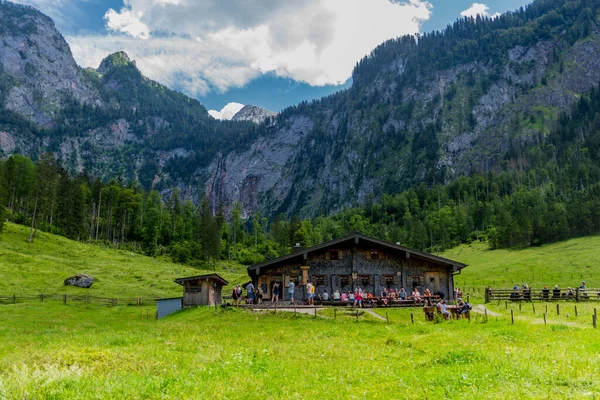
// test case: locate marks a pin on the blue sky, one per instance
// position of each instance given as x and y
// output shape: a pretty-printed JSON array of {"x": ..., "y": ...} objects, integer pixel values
[{"x": 270, "y": 53}]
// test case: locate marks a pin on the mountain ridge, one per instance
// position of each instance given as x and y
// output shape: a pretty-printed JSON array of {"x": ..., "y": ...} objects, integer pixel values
[{"x": 453, "y": 103}]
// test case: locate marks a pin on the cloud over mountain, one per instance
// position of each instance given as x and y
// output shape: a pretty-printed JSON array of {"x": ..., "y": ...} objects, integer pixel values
[
  {"x": 204, "y": 46},
  {"x": 226, "y": 112},
  {"x": 478, "y": 9}
]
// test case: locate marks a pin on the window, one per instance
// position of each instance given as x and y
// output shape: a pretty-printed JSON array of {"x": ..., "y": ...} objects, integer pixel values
[
  {"x": 195, "y": 289},
  {"x": 334, "y": 255},
  {"x": 389, "y": 280},
  {"x": 364, "y": 280},
  {"x": 415, "y": 281},
  {"x": 374, "y": 255},
  {"x": 319, "y": 280},
  {"x": 344, "y": 280}
]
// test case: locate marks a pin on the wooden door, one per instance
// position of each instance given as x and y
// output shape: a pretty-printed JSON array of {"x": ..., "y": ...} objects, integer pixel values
[{"x": 432, "y": 281}]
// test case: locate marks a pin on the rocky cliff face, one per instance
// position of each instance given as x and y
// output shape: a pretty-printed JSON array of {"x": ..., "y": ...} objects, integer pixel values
[
  {"x": 39, "y": 64},
  {"x": 399, "y": 125},
  {"x": 253, "y": 114}
]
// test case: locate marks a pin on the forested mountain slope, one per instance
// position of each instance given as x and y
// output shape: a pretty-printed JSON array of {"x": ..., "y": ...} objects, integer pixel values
[
  {"x": 483, "y": 95},
  {"x": 454, "y": 103}
]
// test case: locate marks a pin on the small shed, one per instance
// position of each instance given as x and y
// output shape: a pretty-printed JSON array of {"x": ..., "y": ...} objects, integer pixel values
[{"x": 202, "y": 290}]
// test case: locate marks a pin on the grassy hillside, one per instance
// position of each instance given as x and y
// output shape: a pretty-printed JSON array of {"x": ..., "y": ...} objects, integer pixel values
[
  {"x": 564, "y": 264},
  {"x": 90, "y": 351},
  {"x": 42, "y": 266}
]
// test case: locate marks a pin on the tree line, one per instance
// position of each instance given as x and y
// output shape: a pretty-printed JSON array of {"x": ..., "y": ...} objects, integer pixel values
[{"x": 541, "y": 193}]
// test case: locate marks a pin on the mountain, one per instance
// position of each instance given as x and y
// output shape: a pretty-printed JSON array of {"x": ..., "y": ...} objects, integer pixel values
[
  {"x": 253, "y": 114},
  {"x": 453, "y": 103},
  {"x": 467, "y": 100}
]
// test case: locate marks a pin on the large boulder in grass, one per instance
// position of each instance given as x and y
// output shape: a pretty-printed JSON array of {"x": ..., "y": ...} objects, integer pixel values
[{"x": 80, "y": 280}]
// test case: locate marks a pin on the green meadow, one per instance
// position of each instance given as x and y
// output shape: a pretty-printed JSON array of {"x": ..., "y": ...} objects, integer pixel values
[
  {"x": 565, "y": 264},
  {"x": 52, "y": 350},
  {"x": 42, "y": 267}
]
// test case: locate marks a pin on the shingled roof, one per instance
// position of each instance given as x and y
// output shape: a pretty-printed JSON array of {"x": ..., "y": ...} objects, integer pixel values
[{"x": 357, "y": 237}]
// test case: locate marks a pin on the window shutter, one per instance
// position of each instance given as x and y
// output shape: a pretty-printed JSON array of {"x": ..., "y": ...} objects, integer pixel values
[
  {"x": 327, "y": 256},
  {"x": 339, "y": 254},
  {"x": 368, "y": 255}
]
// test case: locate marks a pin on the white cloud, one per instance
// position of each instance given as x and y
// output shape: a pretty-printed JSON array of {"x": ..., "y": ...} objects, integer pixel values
[
  {"x": 478, "y": 9},
  {"x": 226, "y": 112},
  {"x": 127, "y": 22},
  {"x": 204, "y": 45}
]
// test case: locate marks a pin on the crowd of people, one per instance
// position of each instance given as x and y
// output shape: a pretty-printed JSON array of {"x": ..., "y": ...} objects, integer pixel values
[
  {"x": 525, "y": 292},
  {"x": 358, "y": 297}
]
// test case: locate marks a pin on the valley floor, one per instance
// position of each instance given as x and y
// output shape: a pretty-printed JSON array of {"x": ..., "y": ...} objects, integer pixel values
[{"x": 52, "y": 350}]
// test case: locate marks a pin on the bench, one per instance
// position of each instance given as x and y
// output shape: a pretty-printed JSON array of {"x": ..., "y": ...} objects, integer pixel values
[{"x": 429, "y": 312}]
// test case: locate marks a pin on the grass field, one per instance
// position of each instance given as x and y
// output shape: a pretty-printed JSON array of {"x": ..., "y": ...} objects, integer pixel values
[
  {"x": 42, "y": 266},
  {"x": 56, "y": 351},
  {"x": 564, "y": 264},
  {"x": 52, "y": 350}
]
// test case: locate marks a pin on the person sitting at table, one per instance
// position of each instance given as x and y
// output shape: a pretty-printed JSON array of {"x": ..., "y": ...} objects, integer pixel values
[
  {"x": 462, "y": 307},
  {"x": 336, "y": 295},
  {"x": 417, "y": 296},
  {"x": 427, "y": 296},
  {"x": 344, "y": 296},
  {"x": 393, "y": 295},
  {"x": 351, "y": 296},
  {"x": 402, "y": 294},
  {"x": 443, "y": 309},
  {"x": 325, "y": 296},
  {"x": 370, "y": 298},
  {"x": 384, "y": 292}
]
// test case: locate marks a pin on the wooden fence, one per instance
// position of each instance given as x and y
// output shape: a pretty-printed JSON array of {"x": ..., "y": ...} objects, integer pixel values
[
  {"x": 555, "y": 294},
  {"x": 67, "y": 298}
]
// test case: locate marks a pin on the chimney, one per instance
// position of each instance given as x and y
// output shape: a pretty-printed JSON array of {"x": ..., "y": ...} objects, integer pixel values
[{"x": 297, "y": 248}]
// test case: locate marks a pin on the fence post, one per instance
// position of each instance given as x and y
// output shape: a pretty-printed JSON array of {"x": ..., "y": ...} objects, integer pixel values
[
  {"x": 412, "y": 318},
  {"x": 506, "y": 305},
  {"x": 512, "y": 317},
  {"x": 356, "y": 315},
  {"x": 315, "y": 312},
  {"x": 387, "y": 318},
  {"x": 334, "y": 312},
  {"x": 520, "y": 306},
  {"x": 487, "y": 295},
  {"x": 65, "y": 298},
  {"x": 577, "y": 294},
  {"x": 533, "y": 307},
  {"x": 577, "y": 315},
  {"x": 139, "y": 302},
  {"x": 42, "y": 297},
  {"x": 544, "y": 318},
  {"x": 594, "y": 318},
  {"x": 557, "y": 309},
  {"x": 14, "y": 298}
]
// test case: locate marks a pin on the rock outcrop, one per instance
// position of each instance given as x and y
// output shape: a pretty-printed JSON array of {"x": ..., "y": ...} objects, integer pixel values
[
  {"x": 80, "y": 280},
  {"x": 253, "y": 114}
]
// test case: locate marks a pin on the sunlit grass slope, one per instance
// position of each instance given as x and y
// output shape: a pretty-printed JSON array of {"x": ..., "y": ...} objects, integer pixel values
[
  {"x": 79, "y": 351},
  {"x": 42, "y": 266},
  {"x": 564, "y": 264}
]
